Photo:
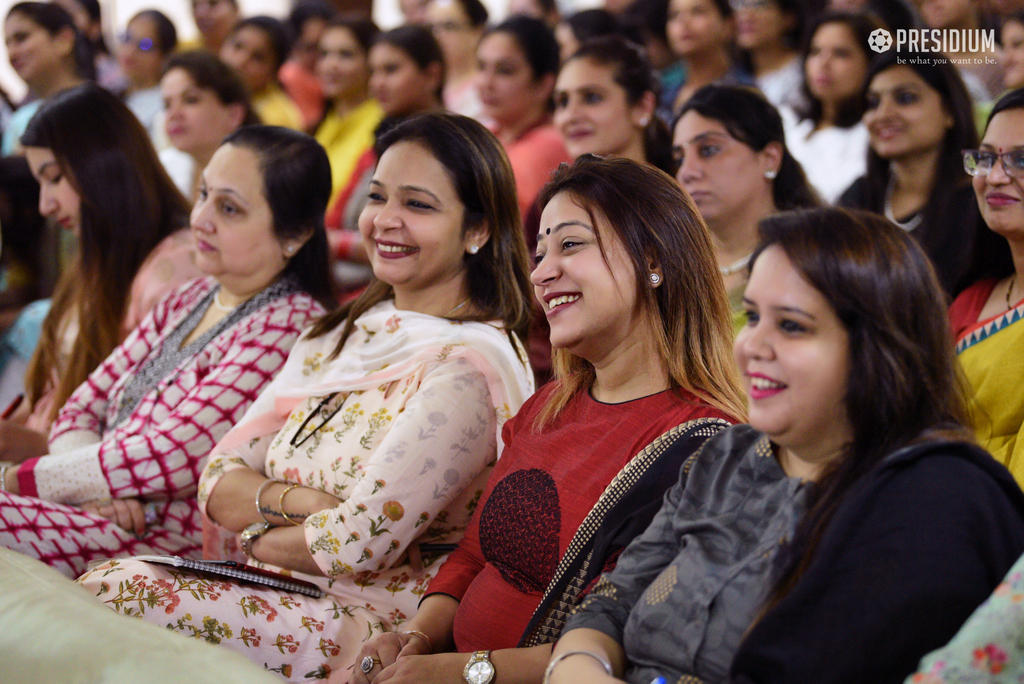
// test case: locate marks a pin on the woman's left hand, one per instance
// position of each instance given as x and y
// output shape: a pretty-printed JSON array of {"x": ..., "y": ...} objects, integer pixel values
[
  {"x": 128, "y": 514},
  {"x": 440, "y": 668}
]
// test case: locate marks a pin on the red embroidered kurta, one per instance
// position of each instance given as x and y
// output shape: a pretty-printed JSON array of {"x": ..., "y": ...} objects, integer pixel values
[
  {"x": 541, "y": 490},
  {"x": 158, "y": 451}
]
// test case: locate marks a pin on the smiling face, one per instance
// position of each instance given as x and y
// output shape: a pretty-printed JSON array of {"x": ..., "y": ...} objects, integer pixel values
[
  {"x": 904, "y": 115},
  {"x": 397, "y": 82},
  {"x": 138, "y": 55},
  {"x": 836, "y": 66},
  {"x": 196, "y": 120},
  {"x": 794, "y": 358},
  {"x": 508, "y": 89},
  {"x": 413, "y": 228},
  {"x": 35, "y": 55},
  {"x": 593, "y": 114},
  {"x": 341, "y": 65},
  {"x": 696, "y": 26},
  {"x": 58, "y": 198},
  {"x": 591, "y": 304},
  {"x": 724, "y": 177},
  {"x": 1001, "y": 196},
  {"x": 249, "y": 51},
  {"x": 233, "y": 225}
]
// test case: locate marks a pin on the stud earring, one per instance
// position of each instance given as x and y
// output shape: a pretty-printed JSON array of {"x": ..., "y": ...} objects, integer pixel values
[
  {"x": 644, "y": 121},
  {"x": 473, "y": 249},
  {"x": 655, "y": 279},
  {"x": 289, "y": 249},
  {"x": 771, "y": 174}
]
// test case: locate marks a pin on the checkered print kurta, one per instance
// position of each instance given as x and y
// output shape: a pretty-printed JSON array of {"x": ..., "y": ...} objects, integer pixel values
[{"x": 158, "y": 451}]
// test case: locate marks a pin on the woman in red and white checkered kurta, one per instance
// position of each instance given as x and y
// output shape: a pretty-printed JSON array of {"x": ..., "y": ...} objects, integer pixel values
[{"x": 132, "y": 439}]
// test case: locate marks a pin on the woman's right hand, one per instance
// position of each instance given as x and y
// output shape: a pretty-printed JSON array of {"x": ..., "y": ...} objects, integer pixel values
[{"x": 384, "y": 650}]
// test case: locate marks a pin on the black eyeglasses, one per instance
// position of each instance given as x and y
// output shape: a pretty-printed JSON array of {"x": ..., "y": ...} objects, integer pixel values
[
  {"x": 295, "y": 441},
  {"x": 980, "y": 162}
]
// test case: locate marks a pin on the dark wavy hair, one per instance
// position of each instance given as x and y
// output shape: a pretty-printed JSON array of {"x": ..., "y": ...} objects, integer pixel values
[
  {"x": 750, "y": 118},
  {"x": 128, "y": 205},
  {"x": 635, "y": 75},
  {"x": 297, "y": 185},
  {"x": 498, "y": 276},
  {"x": 904, "y": 386}
]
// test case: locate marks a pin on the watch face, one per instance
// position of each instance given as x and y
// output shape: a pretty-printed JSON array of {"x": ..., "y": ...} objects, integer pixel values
[{"x": 480, "y": 673}]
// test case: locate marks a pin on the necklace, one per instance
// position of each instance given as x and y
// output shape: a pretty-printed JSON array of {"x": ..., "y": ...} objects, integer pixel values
[
  {"x": 219, "y": 305},
  {"x": 909, "y": 225},
  {"x": 1013, "y": 280},
  {"x": 464, "y": 302},
  {"x": 734, "y": 266}
]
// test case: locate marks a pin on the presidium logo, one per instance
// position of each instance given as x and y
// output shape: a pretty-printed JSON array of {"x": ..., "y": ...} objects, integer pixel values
[{"x": 956, "y": 41}]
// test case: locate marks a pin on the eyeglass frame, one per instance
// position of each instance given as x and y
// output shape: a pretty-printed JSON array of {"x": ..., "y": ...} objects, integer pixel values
[
  {"x": 1002, "y": 157},
  {"x": 137, "y": 43}
]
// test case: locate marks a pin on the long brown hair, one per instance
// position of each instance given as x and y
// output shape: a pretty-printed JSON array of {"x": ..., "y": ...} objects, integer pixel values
[
  {"x": 128, "y": 205},
  {"x": 904, "y": 385},
  {"x": 689, "y": 312},
  {"x": 498, "y": 276}
]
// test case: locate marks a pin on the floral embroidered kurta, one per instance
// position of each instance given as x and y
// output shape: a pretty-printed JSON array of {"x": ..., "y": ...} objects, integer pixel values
[
  {"x": 158, "y": 451},
  {"x": 406, "y": 444}
]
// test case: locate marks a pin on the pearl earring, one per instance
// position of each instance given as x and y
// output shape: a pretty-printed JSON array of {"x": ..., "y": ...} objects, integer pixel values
[
  {"x": 655, "y": 279},
  {"x": 289, "y": 249},
  {"x": 644, "y": 121},
  {"x": 771, "y": 174},
  {"x": 473, "y": 249}
]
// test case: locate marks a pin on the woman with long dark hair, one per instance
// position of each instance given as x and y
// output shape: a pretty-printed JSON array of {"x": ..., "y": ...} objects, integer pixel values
[
  {"x": 126, "y": 449},
  {"x": 100, "y": 179},
  {"x": 853, "y": 525},
  {"x": 919, "y": 117}
]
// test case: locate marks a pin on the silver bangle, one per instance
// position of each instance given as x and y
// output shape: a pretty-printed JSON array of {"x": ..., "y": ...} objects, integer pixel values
[
  {"x": 259, "y": 493},
  {"x": 562, "y": 656},
  {"x": 3, "y": 478}
]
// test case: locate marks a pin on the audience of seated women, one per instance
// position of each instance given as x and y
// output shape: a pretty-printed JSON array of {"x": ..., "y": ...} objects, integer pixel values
[
  {"x": 48, "y": 53},
  {"x": 853, "y": 525},
  {"x": 366, "y": 455},
  {"x": 733, "y": 162},
  {"x": 826, "y": 135},
  {"x": 768, "y": 35},
  {"x": 146, "y": 42},
  {"x": 257, "y": 48},
  {"x": 518, "y": 63},
  {"x": 458, "y": 26},
  {"x": 204, "y": 100},
  {"x": 643, "y": 378},
  {"x": 985, "y": 315},
  {"x": 100, "y": 180},
  {"x": 406, "y": 78},
  {"x": 351, "y": 116},
  {"x": 126, "y": 449},
  {"x": 919, "y": 117}
]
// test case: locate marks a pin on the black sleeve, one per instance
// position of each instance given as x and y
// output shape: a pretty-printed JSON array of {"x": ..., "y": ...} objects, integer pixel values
[{"x": 898, "y": 571}]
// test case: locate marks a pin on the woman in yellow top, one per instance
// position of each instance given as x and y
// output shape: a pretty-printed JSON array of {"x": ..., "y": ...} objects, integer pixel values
[
  {"x": 257, "y": 48},
  {"x": 342, "y": 66}
]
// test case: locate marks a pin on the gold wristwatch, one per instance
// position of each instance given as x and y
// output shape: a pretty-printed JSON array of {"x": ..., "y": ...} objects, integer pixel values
[
  {"x": 479, "y": 669},
  {"x": 250, "y": 534}
]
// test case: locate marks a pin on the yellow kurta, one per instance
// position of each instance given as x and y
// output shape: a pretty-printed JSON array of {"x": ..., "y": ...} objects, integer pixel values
[
  {"x": 346, "y": 138},
  {"x": 277, "y": 109}
]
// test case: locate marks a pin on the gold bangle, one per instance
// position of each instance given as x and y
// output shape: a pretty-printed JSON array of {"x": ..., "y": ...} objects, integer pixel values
[
  {"x": 280, "y": 503},
  {"x": 259, "y": 493},
  {"x": 421, "y": 635}
]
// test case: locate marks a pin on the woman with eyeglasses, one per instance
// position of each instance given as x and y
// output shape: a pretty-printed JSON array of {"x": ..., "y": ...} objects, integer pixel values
[
  {"x": 147, "y": 40},
  {"x": 458, "y": 26},
  {"x": 986, "y": 315}
]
